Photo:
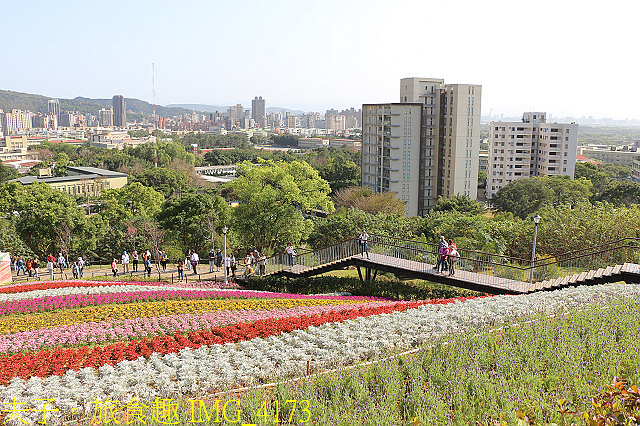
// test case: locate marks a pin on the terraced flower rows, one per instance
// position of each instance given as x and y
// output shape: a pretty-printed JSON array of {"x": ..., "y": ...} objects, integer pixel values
[{"x": 150, "y": 341}]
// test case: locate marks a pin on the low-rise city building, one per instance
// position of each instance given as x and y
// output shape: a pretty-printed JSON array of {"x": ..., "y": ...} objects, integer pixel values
[{"x": 81, "y": 181}]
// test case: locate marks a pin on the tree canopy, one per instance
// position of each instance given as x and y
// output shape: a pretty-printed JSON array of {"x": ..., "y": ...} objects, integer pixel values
[
  {"x": 273, "y": 197},
  {"x": 524, "y": 197},
  {"x": 458, "y": 203}
]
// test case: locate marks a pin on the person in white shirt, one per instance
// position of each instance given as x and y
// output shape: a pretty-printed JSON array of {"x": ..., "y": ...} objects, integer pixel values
[
  {"x": 291, "y": 253},
  {"x": 362, "y": 239},
  {"x": 194, "y": 261},
  {"x": 81, "y": 266},
  {"x": 125, "y": 262}
]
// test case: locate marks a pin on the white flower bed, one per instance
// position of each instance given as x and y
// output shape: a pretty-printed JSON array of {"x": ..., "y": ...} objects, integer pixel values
[{"x": 212, "y": 368}]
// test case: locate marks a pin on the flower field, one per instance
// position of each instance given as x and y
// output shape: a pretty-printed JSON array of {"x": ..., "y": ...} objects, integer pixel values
[{"x": 76, "y": 343}]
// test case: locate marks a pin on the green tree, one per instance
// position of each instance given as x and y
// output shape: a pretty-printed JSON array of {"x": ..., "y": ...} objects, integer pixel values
[
  {"x": 598, "y": 178},
  {"x": 7, "y": 173},
  {"x": 272, "y": 199},
  {"x": 524, "y": 197},
  {"x": 458, "y": 203},
  {"x": 164, "y": 180},
  {"x": 340, "y": 172},
  {"x": 348, "y": 222},
  {"x": 621, "y": 193},
  {"x": 10, "y": 241},
  {"x": 186, "y": 218},
  {"x": 565, "y": 228},
  {"x": 366, "y": 200},
  {"x": 120, "y": 204},
  {"x": 48, "y": 220}
]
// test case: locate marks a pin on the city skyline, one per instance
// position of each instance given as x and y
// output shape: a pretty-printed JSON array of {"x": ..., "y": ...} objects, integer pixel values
[{"x": 314, "y": 57}]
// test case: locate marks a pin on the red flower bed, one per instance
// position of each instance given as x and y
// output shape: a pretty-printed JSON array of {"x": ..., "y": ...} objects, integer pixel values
[{"x": 56, "y": 362}]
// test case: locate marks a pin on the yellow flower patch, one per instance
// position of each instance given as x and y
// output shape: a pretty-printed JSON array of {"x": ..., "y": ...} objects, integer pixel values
[{"x": 151, "y": 309}]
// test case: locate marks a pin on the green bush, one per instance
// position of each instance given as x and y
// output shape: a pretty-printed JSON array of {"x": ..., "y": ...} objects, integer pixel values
[{"x": 329, "y": 284}]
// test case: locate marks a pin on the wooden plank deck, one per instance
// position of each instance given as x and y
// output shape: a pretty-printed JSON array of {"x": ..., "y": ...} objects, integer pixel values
[
  {"x": 466, "y": 279},
  {"x": 425, "y": 271}
]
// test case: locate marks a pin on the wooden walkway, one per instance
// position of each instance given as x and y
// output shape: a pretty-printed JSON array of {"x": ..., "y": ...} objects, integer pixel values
[{"x": 628, "y": 272}]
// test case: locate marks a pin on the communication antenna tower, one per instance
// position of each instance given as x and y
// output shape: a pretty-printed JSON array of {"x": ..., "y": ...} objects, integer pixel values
[{"x": 155, "y": 143}]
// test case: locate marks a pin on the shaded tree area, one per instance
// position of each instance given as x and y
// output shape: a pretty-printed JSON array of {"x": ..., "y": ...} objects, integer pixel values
[
  {"x": 524, "y": 197},
  {"x": 369, "y": 202},
  {"x": 284, "y": 140},
  {"x": 235, "y": 156},
  {"x": 458, "y": 203}
]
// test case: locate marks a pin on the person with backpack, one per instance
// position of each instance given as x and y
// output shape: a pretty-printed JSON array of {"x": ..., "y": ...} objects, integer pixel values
[
  {"x": 163, "y": 260},
  {"x": 452, "y": 257}
]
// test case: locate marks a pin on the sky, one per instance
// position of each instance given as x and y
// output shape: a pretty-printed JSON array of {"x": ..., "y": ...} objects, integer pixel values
[{"x": 567, "y": 58}]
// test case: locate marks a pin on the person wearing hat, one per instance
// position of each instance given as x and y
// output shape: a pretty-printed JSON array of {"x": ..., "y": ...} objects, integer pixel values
[
  {"x": 125, "y": 262},
  {"x": 443, "y": 247},
  {"x": 81, "y": 266}
]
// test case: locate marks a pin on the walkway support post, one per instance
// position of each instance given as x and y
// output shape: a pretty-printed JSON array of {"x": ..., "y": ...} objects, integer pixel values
[{"x": 536, "y": 220}]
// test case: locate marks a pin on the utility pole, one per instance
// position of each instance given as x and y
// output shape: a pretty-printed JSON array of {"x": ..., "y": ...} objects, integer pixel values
[{"x": 155, "y": 138}]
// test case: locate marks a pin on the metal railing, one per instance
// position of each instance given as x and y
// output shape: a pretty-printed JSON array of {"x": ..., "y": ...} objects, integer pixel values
[{"x": 492, "y": 269}]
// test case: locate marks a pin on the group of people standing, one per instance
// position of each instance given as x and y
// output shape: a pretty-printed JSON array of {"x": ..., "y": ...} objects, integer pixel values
[
  {"x": 447, "y": 256},
  {"x": 134, "y": 260},
  {"x": 30, "y": 266}
]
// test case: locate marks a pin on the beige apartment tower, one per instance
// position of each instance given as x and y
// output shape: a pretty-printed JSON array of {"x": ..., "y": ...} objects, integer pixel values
[
  {"x": 425, "y": 146},
  {"x": 533, "y": 147}
]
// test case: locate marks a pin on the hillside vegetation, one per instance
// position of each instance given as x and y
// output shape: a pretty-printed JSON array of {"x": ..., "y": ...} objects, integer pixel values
[{"x": 38, "y": 103}]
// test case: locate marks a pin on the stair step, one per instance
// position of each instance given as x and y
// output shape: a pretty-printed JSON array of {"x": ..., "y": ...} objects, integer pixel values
[
  {"x": 590, "y": 275},
  {"x": 582, "y": 276},
  {"x": 607, "y": 272},
  {"x": 573, "y": 279},
  {"x": 617, "y": 269},
  {"x": 599, "y": 273}
]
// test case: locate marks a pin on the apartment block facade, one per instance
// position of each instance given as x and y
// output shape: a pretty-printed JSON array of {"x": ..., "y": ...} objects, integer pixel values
[
  {"x": 533, "y": 147},
  {"x": 426, "y": 145},
  {"x": 119, "y": 111}
]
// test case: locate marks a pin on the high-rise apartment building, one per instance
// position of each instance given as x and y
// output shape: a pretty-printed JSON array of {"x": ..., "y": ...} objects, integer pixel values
[
  {"x": 425, "y": 146},
  {"x": 119, "y": 111},
  {"x": 106, "y": 117},
  {"x": 235, "y": 112},
  {"x": 533, "y": 147},
  {"x": 15, "y": 121},
  {"x": 53, "y": 107},
  {"x": 259, "y": 111}
]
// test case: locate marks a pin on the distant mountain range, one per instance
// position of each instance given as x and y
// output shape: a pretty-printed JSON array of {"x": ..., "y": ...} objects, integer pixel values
[
  {"x": 214, "y": 108},
  {"x": 37, "y": 103}
]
